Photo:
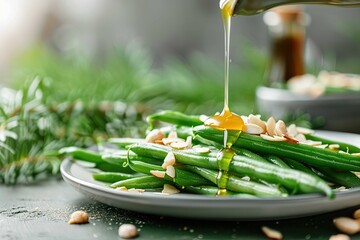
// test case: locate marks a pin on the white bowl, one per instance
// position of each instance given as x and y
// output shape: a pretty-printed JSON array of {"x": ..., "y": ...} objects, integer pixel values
[{"x": 341, "y": 112}]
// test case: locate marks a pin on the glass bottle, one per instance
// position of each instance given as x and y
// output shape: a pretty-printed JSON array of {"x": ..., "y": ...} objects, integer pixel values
[
  {"x": 251, "y": 7},
  {"x": 286, "y": 26}
]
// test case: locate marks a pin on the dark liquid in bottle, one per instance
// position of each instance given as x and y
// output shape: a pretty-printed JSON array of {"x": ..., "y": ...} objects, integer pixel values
[
  {"x": 287, "y": 58},
  {"x": 287, "y": 45}
]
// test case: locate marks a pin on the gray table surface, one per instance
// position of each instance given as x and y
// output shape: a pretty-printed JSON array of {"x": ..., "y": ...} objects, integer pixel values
[{"x": 41, "y": 211}]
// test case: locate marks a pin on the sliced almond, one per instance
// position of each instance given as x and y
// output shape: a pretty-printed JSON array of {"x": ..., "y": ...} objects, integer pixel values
[
  {"x": 344, "y": 152},
  {"x": 300, "y": 137},
  {"x": 340, "y": 189},
  {"x": 122, "y": 188},
  {"x": 358, "y": 221},
  {"x": 189, "y": 142},
  {"x": 270, "y": 126},
  {"x": 334, "y": 146},
  {"x": 169, "y": 189},
  {"x": 159, "y": 142},
  {"x": 273, "y": 139},
  {"x": 173, "y": 134},
  {"x": 136, "y": 190},
  {"x": 168, "y": 141},
  {"x": 340, "y": 237},
  {"x": 244, "y": 118},
  {"x": 357, "y": 214},
  {"x": 278, "y": 138},
  {"x": 169, "y": 160},
  {"x": 304, "y": 130},
  {"x": 280, "y": 128},
  {"x": 170, "y": 171},
  {"x": 311, "y": 143},
  {"x": 291, "y": 130},
  {"x": 291, "y": 139},
  {"x": 202, "y": 150},
  {"x": 347, "y": 225},
  {"x": 271, "y": 233},
  {"x": 323, "y": 146},
  {"x": 154, "y": 135},
  {"x": 257, "y": 121},
  {"x": 179, "y": 145},
  {"x": 203, "y": 117},
  {"x": 158, "y": 174},
  {"x": 252, "y": 129}
]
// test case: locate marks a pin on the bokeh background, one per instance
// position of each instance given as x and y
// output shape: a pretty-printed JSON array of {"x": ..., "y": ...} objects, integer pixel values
[{"x": 116, "y": 47}]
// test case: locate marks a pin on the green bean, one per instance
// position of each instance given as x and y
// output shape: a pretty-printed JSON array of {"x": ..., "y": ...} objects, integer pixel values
[
  {"x": 298, "y": 166},
  {"x": 142, "y": 182},
  {"x": 176, "y": 118},
  {"x": 213, "y": 191},
  {"x": 238, "y": 185},
  {"x": 343, "y": 146},
  {"x": 207, "y": 142},
  {"x": 239, "y": 151},
  {"x": 143, "y": 167},
  {"x": 186, "y": 178},
  {"x": 304, "y": 153},
  {"x": 160, "y": 152},
  {"x": 108, "y": 167},
  {"x": 244, "y": 152},
  {"x": 203, "y": 190},
  {"x": 273, "y": 185},
  {"x": 182, "y": 177},
  {"x": 121, "y": 157},
  {"x": 81, "y": 154},
  {"x": 346, "y": 179},
  {"x": 104, "y": 163},
  {"x": 242, "y": 165},
  {"x": 125, "y": 142},
  {"x": 112, "y": 177},
  {"x": 277, "y": 161},
  {"x": 294, "y": 180},
  {"x": 247, "y": 153}
]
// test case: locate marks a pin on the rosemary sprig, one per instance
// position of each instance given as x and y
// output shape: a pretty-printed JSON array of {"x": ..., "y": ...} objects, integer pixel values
[{"x": 32, "y": 130}]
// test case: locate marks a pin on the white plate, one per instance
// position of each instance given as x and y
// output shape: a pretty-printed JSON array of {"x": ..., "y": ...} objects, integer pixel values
[{"x": 208, "y": 207}]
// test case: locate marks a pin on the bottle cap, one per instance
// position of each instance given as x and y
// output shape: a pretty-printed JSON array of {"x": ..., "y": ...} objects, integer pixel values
[{"x": 290, "y": 13}]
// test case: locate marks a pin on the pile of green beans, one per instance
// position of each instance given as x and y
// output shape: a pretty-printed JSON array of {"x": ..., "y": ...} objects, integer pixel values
[{"x": 253, "y": 167}]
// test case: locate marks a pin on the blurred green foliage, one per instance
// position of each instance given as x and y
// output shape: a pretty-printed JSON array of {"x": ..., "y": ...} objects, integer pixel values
[{"x": 195, "y": 86}]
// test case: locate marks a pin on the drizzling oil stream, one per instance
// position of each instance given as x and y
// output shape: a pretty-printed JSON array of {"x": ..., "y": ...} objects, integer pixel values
[{"x": 227, "y": 121}]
